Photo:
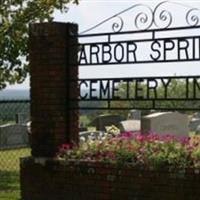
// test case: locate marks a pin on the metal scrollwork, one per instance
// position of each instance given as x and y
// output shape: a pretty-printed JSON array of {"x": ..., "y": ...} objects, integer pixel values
[
  {"x": 162, "y": 17},
  {"x": 193, "y": 17},
  {"x": 144, "y": 20},
  {"x": 118, "y": 26}
]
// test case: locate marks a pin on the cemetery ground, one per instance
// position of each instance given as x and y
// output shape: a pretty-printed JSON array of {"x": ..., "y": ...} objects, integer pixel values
[{"x": 9, "y": 173}]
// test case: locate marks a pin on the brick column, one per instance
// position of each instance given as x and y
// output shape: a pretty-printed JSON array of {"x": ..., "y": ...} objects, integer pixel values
[{"x": 53, "y": 62}]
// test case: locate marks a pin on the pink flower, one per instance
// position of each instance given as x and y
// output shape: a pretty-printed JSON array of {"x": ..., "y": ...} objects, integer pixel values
[
  {"x": 140, "y": 138},
  {"x": 184, "y": 140},
  {"x": 126, "y": 135},
  {"x": 65, "y": 147}
]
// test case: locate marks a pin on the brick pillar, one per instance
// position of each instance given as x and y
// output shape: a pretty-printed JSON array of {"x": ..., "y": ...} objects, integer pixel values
[{"x": 53, "y": 62}]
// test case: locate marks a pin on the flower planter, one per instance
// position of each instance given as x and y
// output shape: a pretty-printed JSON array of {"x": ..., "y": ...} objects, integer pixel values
[{"x": 53, "y": 179}]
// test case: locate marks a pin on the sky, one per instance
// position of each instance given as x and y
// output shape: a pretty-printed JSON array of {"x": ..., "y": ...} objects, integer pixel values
[{"x": 91, "y": 12}]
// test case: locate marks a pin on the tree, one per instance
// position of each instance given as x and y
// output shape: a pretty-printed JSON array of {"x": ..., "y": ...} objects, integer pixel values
[
  {"x": 129, "y": 103},
  {"x": 176, "y": 89},
  {"x": 15, "y": 15}
]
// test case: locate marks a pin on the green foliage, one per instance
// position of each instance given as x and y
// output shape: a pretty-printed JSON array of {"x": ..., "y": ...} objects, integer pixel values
[
  {"x": 84, "y": 120},
  {"x": 176, "y": 89},
  {"x": 150, "y": 151},
  {"x": 15, "y": 15}
]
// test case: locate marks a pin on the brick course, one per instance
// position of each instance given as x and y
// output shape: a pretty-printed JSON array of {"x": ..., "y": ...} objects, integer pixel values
[{"x": 54, "y": 179}]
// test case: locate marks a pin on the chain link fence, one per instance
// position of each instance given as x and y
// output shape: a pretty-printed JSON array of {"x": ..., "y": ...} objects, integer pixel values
[{"x": 14, "y": 143}]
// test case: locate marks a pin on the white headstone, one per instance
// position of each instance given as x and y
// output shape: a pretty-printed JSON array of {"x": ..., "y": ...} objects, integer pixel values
[
  {"x": 129, "y": 125},
  {"x": 165, "y": 123}
]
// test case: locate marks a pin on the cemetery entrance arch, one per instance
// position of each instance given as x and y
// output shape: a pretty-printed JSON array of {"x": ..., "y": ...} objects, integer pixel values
[
  {"x": 155, "y": 40},
  {"x": 54, "y": 104}
]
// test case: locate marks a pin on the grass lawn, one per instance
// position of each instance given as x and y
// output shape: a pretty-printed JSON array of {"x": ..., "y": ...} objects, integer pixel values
[{"x": 9, "y": 173}]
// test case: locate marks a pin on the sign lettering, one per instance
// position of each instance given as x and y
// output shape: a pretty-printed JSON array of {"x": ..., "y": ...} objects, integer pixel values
[{"x": 130, "y": 52}]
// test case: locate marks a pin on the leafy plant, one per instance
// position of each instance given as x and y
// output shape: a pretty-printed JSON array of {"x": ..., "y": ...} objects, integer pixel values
[{"x": 15, "y": 17}]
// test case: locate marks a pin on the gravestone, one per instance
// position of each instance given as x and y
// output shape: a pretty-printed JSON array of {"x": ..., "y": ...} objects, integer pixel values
[
  {"x": 194, "y": 123},
  {"x": 101, "y": 121},
  {"x": 130, "y": 125},
  {"x": 134, "y": 115},
  {"x": 13, "y": 135},
  {"x": 165, "y": 123}
]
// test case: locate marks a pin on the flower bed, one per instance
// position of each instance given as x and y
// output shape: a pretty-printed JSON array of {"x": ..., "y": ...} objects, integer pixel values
[
  {"x": 149, "y": 151},
  {"x": 127, "y": 166}
]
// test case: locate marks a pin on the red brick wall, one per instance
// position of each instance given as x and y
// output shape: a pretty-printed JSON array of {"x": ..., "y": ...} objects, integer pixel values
[
  {"x": 53, "y": 62},
  {"x": 60, "y": 180}
]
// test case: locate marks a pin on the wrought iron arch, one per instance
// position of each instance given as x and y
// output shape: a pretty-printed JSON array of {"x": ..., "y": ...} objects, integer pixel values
[
  {"x": 111, "y": 51},
  {"x": 157, "y": 17}
]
